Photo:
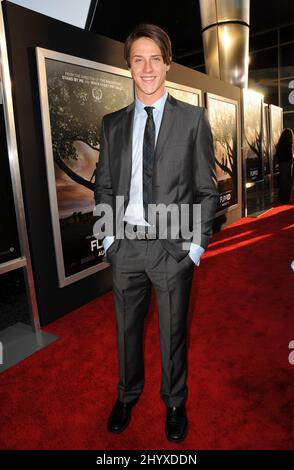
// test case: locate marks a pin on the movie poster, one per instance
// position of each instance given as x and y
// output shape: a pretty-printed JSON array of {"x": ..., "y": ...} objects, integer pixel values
[
  {"x": 75, "y": 95},
  {"x": 184, "y": 93},
  {"x": 276, "y": 127},
  {"x": 252, "y": 135},
  {"x": 222, "y": 114}
]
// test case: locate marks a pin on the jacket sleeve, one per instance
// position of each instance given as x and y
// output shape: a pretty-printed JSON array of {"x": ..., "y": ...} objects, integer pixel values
[
  {"x": 205, "y": 190},
  {"x": 103, "y": 182},
  {"x": 103, "y": 191}
]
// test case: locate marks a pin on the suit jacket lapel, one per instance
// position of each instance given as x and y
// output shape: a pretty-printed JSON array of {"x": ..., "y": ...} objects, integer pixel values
[
  {"x": 127, "y": 147},
  {"x": 166, "y": 124},
  {"x": 127, "y": 140}
]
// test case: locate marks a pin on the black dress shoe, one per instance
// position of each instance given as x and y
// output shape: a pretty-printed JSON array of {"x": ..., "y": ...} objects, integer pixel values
[
  {"x": 120, "y": 416},
  {"x": 176, "y": 423}
]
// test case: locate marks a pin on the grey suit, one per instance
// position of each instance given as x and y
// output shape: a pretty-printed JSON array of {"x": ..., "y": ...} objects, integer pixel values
[{"x": 183, "y": 173}]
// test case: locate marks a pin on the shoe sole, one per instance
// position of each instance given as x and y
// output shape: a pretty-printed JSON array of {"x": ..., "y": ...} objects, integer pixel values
[
  {"x": 170, "y": 439},
  {"x": 118, "y": 431},
  {"x": 127, "y": 423}
]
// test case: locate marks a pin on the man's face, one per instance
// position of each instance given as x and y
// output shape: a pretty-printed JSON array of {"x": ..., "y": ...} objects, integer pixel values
[{"x": 148, "y": 70}]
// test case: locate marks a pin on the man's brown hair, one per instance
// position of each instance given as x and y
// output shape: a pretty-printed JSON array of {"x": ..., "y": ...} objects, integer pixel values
[{"x": 151, "y": 31}]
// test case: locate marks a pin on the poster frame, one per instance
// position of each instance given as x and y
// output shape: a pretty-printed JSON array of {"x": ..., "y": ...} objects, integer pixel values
[
  {"x": 41, "y": 56},
  {"x": 247, "y": 93},
  {"x": 188, "y": 89},
  {"x": 208, "y": 97},
  {"x": 272, "y": 108}
]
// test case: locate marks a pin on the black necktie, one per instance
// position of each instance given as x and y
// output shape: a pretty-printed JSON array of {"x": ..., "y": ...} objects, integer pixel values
[{"x": 148, "y": 156}]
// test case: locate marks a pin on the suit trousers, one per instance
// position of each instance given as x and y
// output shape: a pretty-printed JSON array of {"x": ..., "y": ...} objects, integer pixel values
[{"x": 137, "y": 265}]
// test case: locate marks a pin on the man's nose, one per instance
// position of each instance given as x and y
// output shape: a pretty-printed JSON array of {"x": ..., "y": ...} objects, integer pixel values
[{"x": 148, "y": 66}]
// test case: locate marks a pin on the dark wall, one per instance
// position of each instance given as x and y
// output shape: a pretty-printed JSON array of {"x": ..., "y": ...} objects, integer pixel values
[{"x": 26, "y": 30}]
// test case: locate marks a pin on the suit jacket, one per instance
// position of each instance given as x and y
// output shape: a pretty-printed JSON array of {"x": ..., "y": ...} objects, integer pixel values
[{"x": 183, "y": 170}]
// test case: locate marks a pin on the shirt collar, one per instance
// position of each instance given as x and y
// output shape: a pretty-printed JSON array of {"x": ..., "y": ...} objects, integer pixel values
[{"x": 158, "y": 105}]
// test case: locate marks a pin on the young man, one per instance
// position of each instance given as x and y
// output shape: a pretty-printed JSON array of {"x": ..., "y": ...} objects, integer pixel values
[{"x": 157, "y": 150}]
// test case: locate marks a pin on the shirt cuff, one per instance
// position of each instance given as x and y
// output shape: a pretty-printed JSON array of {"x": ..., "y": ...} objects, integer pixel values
[
  {"x": 195, "y": 253},
  {"x": 107, "y": 242}
]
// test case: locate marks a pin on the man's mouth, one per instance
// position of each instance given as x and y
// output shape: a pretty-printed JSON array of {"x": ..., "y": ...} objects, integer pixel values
[{"x": 147, "y": 79}]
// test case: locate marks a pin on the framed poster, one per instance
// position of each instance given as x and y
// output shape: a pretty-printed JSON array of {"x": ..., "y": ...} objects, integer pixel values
[
  {"x": 252, "y": 135},
  {"x": 266, "y": 141},
  {"x": 276, "y": 127},
  {"x": 75, "y": 94},
  {"x": 184, "y": 93},
  {"x": 223, "y": 118}
]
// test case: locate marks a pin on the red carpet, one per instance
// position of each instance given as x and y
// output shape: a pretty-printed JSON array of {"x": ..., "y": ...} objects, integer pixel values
[{"x": 240, "y": 380}]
